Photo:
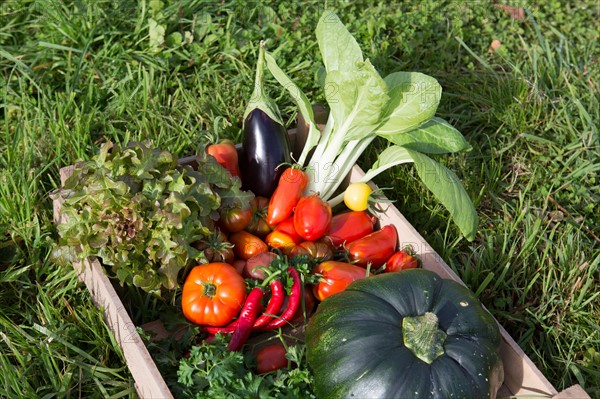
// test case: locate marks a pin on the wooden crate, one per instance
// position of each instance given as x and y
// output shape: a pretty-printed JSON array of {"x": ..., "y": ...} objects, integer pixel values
[{"x": 522, "y": 378}]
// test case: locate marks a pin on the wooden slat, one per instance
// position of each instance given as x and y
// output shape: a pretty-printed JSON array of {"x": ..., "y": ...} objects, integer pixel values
[{"x": 574, "y": 392}]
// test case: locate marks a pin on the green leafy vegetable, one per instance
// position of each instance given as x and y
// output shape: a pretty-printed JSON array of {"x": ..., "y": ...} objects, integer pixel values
[
  {"x": 137, "y": 211},
  {"x": 213, "y": 371},
  {"x": 400, "y": 108}
]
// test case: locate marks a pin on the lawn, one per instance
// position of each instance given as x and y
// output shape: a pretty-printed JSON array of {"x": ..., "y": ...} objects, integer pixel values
[{"x": 75, "y": 74}]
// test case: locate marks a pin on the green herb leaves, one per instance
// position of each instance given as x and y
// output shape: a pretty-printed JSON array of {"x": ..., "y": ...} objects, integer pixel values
[
  {"x": 140, "y": 213},
  {"x": 213, "y": 371}
]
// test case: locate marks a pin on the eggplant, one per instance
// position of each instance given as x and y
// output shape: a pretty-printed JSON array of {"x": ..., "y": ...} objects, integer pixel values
[{"x": 266, "y": 145}]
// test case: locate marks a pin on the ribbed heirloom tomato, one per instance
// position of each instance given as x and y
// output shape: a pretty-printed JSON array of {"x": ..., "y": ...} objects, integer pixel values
[{"x": 213, "y": 294}]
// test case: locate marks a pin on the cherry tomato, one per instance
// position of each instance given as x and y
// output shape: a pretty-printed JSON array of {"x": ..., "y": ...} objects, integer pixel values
[
  {"x": 246, "y": 245},
  {"x": 271, "y": 358},
  {"x": 254, "y": 265},
  {"x": 213, "y": 294},
  {"x": 216, "y": 248},
  {"x": 235, "y": 219},
  {"x": 336, "y": 277},
  {"x": 356, "y": 196},
  {"x": 258, "y": 224},
  {"x": 401, "y": 260},
  {"x": 226, "y": 155},
  {"x": 291, "y": 186},
  {"x": 318, "y": 250},
  {"x": 349, "y": 226},
  {"x": 375, "y": 248},
  {"x": 312, "y": 217}
]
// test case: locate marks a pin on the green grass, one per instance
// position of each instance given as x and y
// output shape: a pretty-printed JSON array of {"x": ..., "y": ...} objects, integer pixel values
[{"x": 75, "y": 74}]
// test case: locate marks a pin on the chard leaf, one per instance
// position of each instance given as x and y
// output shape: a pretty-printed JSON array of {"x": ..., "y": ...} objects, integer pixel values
[
  {"x": 448, "y": 189},
  {"x": 339, "y": 49},
  {"x": 356, "y": 99},
  {"x": 302, "y": 102},
  {"x": 414, "y": 98},
  {"x": 433, "y": 137},
  {"x": 391, "y": 156},
  {"x": 441, "y": 181}
]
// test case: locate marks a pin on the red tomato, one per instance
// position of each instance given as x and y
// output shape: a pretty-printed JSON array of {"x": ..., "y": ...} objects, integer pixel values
[
  {"x": 213, "y": 294},
  {"x": 312, "y": 217},
  {"x": 317, "y": 250},
  {"x": 258, "y": 224},
  {"x": 246, "y": 245},
  {"x": 290, "y": 188},
  {"x": 216, "y": 248},
  {"x": 255, "y": 263},
  {"x": 271, "y": 358},
  {"x": 375, "y": 248},
  {"x": 401, "y": 260},
  {"x": 226, "y": 155},
  {"x": 336, "y": 277},
  {"x": 349, "y": 226},
  {"x": 235, "y": 219},
  {"x": 282, "y": 241}
]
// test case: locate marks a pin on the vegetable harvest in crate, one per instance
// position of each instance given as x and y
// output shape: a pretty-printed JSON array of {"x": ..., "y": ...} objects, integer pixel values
[{"x": 286, "y": 280}]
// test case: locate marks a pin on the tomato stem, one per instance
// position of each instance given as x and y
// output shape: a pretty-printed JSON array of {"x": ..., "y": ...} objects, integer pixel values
[{"x": 210, "y": 290}]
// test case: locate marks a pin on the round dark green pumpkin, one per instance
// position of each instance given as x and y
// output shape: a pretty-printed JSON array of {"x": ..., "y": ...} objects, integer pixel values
[{"x": 409, "y": 334}]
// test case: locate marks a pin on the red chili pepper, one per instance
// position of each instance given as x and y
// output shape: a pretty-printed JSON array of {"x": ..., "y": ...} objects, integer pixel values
[
  {"x": 274, "y": 306},
  {"x": 246, "y": 319},
  {"x": 294, "y": 302}
]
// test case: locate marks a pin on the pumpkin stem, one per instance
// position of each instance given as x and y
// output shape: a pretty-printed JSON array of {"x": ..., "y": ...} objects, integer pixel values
[{"x": 423, "y": 337}]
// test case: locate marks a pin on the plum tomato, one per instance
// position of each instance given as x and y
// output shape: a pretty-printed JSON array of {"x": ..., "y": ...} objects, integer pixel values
[
  {"x": 246, "y": 245},
  {"x": 258, "y": 224},
  {"x": 312, "y": 217},
  {"x": 336, "y": 277},
  {"x": 375, "y": 248},
  {"x": 271, "y": 358},
  {"x": 401, "y": 260},
  {"x": 349, "y": 226}
]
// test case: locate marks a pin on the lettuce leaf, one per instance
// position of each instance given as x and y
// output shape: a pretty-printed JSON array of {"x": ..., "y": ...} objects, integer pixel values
[{"x": 140, "y": 213}]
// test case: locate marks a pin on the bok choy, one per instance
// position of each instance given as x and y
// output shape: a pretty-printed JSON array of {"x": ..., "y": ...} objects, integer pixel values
[{"x": 400, "y": 107}]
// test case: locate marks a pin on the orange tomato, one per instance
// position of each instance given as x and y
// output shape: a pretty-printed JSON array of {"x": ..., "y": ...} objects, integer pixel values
[
  {"x": 246, "y": 245},
  {"x": 213, "y": 294}
]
